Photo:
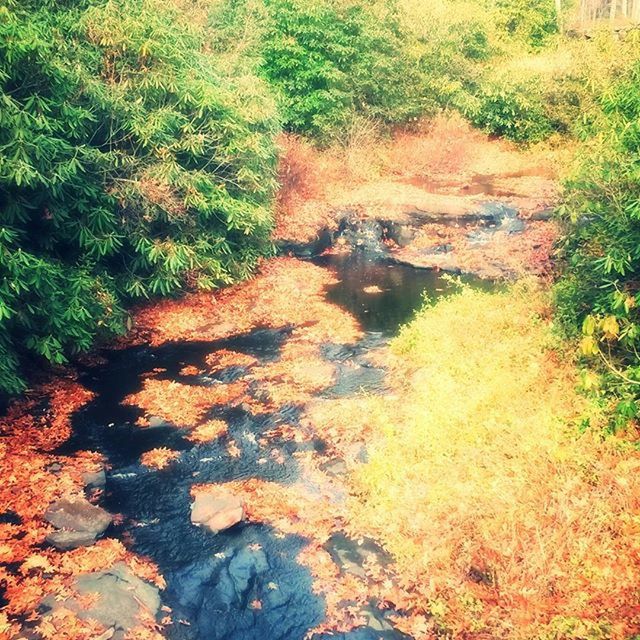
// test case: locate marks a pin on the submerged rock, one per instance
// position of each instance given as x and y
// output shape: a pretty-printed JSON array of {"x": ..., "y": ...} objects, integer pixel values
[
  {"x": 80, "y": 521},
  {"x": 156, "y": 422},
  {"x": 94, "y": 480},
  {"x": 217, "y": 509},
  {"x": 123, "y": 599},
  {"x": 252, "y": 589}
]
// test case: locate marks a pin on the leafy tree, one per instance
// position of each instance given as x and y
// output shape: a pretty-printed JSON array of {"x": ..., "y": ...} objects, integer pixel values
[
  {"x": 329, "y": 59},
  {"x": 599, "y": 294},
  {"x": 131, "y": 164},
  {"x": 531, "y": 22}
]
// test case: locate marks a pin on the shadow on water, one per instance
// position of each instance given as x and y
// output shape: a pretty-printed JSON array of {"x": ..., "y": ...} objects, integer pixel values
[{"x": 212, "y": 580}]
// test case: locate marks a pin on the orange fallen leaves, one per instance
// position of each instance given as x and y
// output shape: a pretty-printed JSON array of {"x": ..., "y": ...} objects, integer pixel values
[
  {"x": 158, "y": 458},
  {"x": 224, "y": 358},
  {"x": 29, "y": 427},
  {"x": 189, "y": 370},
  {"x": 33, "y": 479},
  {"x": 208, "y": 431},
  {"x": 63, "y": 624},
  {"x": 300, "y": 373},
  {"x": 288, "y": 292},
  {"x": 185, "y": 404}
]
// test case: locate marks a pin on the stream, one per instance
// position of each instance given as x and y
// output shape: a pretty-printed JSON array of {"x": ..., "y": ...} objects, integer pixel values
[{"x": 212, "y": 579}]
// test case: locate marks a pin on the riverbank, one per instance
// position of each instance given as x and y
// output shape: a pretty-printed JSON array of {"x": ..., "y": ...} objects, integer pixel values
[
  {"x": 440, "y": 482},
  {"x": 445, "y": 196}
]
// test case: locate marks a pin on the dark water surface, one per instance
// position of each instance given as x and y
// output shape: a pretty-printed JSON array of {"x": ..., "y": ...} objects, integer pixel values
[
  {"x": 212, "y": 579},
  {"x": 382, "y": 294}
]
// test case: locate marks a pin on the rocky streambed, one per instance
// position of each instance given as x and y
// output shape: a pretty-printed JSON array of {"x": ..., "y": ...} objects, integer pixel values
[
  {"x": 244, "y": 581},
  {"x": 224, "y": 431},
  {"x": 491, "y": 240}
]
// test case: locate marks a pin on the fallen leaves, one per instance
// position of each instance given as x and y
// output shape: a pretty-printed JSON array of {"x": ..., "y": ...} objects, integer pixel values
[
  {"x": 185, "y": 404},
  {"x": 288, "y": 292},
  {"x": 32, "y": 479},
  {"x": 208, "y": 431},
  {"x": 29, "y": 426},
  {"x": 63, "y": 624},
  {"x": 223, "y": 358},
  {"x": 158, "y": 458}
]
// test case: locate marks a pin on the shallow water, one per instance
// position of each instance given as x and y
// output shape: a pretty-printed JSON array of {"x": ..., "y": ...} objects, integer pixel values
[
  {"x": 382, "y": 294},
  {"x": 211, "y": 579}
]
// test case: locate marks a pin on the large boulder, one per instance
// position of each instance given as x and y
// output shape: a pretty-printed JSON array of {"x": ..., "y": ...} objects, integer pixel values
[
  {"x": 120, "y": 599},
  {"x": 217, "y": 509},
  {"x": 66, "y": 540},
  {"x": 78, "y": 522}
]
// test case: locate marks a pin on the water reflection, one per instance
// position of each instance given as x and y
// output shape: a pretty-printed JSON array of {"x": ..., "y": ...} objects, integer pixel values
[{"x": 382, "y": 294}]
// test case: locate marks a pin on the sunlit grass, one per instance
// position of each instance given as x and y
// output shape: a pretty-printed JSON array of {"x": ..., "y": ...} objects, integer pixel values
[{"x": 504, "y": 518}]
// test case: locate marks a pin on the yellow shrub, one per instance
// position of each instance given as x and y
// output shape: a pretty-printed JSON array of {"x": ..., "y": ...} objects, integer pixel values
[{"x": 503, "y": 518}]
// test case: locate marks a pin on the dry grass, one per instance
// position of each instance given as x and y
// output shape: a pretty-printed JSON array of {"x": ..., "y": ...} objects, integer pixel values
[
  {"x": 429, "y": 167},
  {"x": 505, "y": 522}
]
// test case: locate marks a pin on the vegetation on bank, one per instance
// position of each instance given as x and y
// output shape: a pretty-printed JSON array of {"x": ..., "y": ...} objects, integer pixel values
[
  {"x": 138, "y": 144},
  {"x": 599, "y": 293},
  {"x": 507, "y": 519},
  {"x": 135, "y": 162}
]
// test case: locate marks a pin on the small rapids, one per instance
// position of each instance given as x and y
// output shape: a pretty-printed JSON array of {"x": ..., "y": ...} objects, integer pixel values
[{"x": 212, "y": 580}]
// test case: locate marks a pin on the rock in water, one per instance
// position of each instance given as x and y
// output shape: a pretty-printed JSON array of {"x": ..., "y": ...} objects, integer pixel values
[
  {"x": 157, "y": 421},
  {"x": 66, "y": 540},
  {"x": 95, "y": 480},
  {"x": 80, "y": 522},
  {"x": 217, "y": 509},
  {"x": 122, "y": 599}
]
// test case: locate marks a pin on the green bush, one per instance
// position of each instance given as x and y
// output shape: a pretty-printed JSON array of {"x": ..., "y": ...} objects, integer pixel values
[
  {"x": 511, "y": 111},
  {"x": 132, "y": 164},
  {"x": 330, "y": 59},
  {"x": 531, "y": 22},
  {"x": 391, "y": 61},
  {"x": 598, "y": 297}
]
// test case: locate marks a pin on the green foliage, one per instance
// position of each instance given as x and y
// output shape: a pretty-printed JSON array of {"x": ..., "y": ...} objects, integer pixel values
[
  {"x": 512, "y": 111},
  {"x": 532, "y": 22},
  {"x": 598, "y": 296},
  {"x": 137, "y": 153},
  {"x": 330, "y": 59},
  {"x": 131, "y": 164},
  {"x": 390, "y": 61}
]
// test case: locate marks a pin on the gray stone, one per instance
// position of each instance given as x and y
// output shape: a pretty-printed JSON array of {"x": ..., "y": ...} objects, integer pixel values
[
  {"x": 65, "y": 540},
  {"x": 544, "y": 215},
  {"x": 513, "y": 225},
  {"x": 335, "y": 467},
  {"x": 122, "y": 598},
  {"x": 78, "y": 514},
  {"x": 440, "y": 248},
  {"x": 217, "y": 509},
  {"x": 95, "y": 480},
  {"x": 498, "y": 210},
  {"x": 375, "y": 620},
  {"x": 157, "y": 421}
]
